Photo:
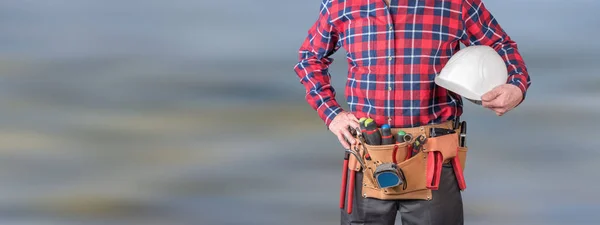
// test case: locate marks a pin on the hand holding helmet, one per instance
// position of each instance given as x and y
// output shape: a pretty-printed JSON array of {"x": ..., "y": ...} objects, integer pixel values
[
  {"x": 479, "y": 74},
  {"x": 502, "y": 98}
]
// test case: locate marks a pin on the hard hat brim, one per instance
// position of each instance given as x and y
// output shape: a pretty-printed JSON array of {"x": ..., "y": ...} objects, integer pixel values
[{"x": 458, "y": 89}]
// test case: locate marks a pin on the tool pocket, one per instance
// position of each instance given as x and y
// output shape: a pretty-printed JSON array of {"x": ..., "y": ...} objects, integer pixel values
[
  {"x": 446, "y": 145},
  {"x": 412, "y": 173},
  {"x": 462, "y": 156},
  {"x": 378, "y": 153},
  {"x": 445, "y": 149}
]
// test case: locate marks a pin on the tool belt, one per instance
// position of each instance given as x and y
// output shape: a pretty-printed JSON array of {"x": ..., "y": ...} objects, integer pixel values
[{"x": 420, "y": 173}]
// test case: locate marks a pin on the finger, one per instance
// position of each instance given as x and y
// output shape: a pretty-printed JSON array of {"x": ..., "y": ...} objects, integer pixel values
[
  {"x": 352, "y": 117},
  {"x": 499, "y": 110},
  {"x": 491, "y": 95},
  {"x": 492, "y": 104},
  {"x": 348, "y": 136},
  {"x": 342, "y": 141},
  {"x": 354, "y": 125}
]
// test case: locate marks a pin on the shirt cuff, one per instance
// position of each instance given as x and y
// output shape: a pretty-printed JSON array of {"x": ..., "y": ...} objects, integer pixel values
[
  {"x": 520, "y": 84},
  {"x": 328, "y": 111}
]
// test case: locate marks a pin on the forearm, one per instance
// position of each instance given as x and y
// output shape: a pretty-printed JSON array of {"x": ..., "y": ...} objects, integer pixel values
[
  {"x": 313, "y": 66},
  {"x": 517, "y": 70},
  {"x": 320, "y": 95}
]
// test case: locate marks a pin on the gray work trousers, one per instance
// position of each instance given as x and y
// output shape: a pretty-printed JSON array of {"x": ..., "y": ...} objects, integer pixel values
[{"x": 445, "y": 208}]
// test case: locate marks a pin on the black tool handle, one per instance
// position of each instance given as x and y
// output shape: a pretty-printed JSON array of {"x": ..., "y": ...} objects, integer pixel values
[
  {"x": 463, "y": 134},
  {"x": 372, "y": 136},
  {"x": 386, "y": 135}
]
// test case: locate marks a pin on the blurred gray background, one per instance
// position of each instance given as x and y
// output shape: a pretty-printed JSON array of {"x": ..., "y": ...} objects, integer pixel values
[{"x": 189, "y": 112}]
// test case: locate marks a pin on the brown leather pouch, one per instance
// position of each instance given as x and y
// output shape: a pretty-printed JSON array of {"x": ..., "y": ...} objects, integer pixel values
[
  {"x": 415, "y": 169},
  {"x": 446, "y": 145},
  {"x": 445, "y": 149},
  {"x": 439, "y": 150}
]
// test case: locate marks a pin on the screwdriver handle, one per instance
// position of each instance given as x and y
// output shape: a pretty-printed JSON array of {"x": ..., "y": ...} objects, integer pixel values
[
  {"x": 372, "y": 136},
  {"x": 386, "y": 135}
]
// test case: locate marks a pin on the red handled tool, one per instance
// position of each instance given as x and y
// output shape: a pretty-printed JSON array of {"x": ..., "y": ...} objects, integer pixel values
[
  {"x": 352, "y": 177},
  {"x": 351, "y": 191},
  {"x": 409, "y": 150},
  {"x": 416, "y": 146},
  {"x": 354, "y": 133},
  {"x": 352, "y": 181},
  {"x": 435, "y": 160},
  {"x": 434, "y": 170},
  {"x": 344, "y": 180}
]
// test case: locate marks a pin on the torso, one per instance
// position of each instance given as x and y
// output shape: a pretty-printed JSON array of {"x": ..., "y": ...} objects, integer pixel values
[{"x": 395, "y": 48}]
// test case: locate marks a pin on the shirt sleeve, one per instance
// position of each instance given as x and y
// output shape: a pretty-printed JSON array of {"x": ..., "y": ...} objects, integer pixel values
[
  {"x": 313, "y": 65},
  {"x": 481, "y": 28}
]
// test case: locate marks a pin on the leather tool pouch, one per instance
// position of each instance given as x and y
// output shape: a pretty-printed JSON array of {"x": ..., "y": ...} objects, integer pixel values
[
  {"x": 440, "y": 150},
  {"x": 420, "y": 172}
]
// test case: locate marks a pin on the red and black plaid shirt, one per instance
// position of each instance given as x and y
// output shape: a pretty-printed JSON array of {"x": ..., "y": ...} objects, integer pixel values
[{"x": 394, "y": 53}]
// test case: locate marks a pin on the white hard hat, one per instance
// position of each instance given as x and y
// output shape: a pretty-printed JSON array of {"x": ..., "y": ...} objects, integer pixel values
[{"x": 473, "y": 71}]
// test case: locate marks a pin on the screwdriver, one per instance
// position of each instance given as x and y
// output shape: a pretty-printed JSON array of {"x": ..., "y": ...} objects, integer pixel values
[
  {"x": 386, "y": 135},
  {"x": 362, "y": 120},
  {"x": 363, "y": 129},
  {"x": 400, "y": 137},
  {"x": 373, "y": 137}
]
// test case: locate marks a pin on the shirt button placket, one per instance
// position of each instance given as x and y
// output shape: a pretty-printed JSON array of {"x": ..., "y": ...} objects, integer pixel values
[
  {"x": 390, "y": 82},
  {"x": 391, "y": 65}
]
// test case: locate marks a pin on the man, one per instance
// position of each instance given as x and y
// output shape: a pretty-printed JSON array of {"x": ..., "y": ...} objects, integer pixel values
[{"x": 395, "y": 48}]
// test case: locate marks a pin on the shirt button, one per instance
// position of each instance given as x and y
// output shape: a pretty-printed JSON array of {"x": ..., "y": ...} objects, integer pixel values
[
  {"x": 390, "y": 58},
  {"x": 389, "y": 88},
  {"x": 391, "y": 28}
]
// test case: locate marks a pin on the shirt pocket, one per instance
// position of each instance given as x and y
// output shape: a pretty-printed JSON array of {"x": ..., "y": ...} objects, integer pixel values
[{"x": 366, "y": 40}]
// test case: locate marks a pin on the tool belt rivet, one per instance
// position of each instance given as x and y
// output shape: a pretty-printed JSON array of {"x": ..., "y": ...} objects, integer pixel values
[{"x": 364, "y": 195}]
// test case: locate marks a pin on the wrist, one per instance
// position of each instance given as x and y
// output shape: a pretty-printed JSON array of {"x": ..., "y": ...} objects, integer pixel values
[
  {"x": 519, "y": 85},
  {"x": 330, "y": 113}
]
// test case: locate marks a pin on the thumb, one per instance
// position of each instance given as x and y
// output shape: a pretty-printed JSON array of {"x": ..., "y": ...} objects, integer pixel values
[{"x": 491, "y": 95}]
